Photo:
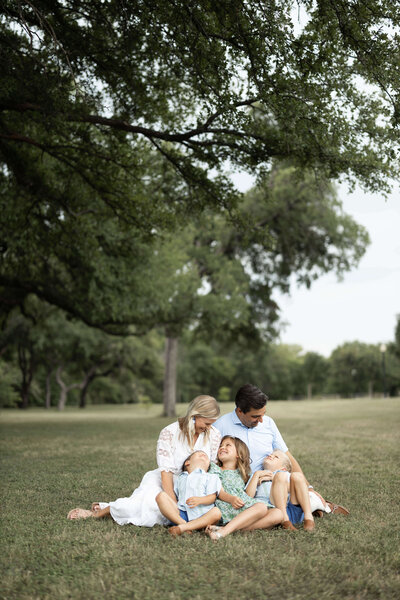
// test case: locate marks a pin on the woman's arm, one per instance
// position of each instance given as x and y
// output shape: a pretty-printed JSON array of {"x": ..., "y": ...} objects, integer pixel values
[{"x": 167, "y": 484}]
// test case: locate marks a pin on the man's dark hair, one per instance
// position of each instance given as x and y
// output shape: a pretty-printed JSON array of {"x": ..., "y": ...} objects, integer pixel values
[{"x": 250, "y": 396}]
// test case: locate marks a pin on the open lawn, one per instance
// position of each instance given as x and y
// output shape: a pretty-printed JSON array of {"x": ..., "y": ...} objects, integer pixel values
[{"x": 52, "y": 462}]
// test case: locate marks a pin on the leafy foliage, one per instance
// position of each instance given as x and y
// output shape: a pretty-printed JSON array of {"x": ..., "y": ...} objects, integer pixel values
[{"x": 119, "y": 121}]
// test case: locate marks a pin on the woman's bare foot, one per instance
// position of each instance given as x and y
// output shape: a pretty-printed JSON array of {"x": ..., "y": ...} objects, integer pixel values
[{"x": 79, "y": 513}]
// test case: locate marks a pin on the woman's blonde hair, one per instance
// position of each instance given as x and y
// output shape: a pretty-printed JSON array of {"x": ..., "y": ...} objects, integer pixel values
[
  {"x": 243, "y": 460},
  {"x": 202, "y": 406}
]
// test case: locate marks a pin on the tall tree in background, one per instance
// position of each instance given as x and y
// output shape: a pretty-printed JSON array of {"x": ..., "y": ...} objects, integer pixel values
[
  {"x": 222, "y": 280},
  {"x": 119, "y": 119}
]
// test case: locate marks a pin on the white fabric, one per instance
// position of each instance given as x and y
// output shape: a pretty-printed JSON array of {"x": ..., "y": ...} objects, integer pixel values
[
  {"x": 316, "y": 503},
  {"x": 141, "y": 507}
]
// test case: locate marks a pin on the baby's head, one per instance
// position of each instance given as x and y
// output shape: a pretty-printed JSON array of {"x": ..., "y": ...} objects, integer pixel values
[
  {"x": 277, "y": 460},
  {"x": 196, "y": 460}
]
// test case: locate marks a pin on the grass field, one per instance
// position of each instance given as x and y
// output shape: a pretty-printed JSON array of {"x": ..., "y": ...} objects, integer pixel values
[{"x": 52, "y": 462}]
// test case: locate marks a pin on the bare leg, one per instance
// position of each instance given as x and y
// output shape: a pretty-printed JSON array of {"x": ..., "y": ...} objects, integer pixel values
[
  {"x": 169, "y": 508},
  {"x": 209, "y": 518},
  {"x": 242, "y": 520},
  {"x": 273, "y": 518},
  {"x": 100, "y": 514},
  {"x": 299, "y": 495},
  {"x": 279, "y": 493}
]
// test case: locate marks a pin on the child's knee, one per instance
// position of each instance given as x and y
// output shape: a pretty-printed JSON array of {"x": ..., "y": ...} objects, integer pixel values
[
  {"x": 281, "y": 476},
  {"x": 297, "y": 477}
]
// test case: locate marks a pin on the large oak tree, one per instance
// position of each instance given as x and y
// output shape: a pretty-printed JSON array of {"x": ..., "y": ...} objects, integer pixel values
[{"x": 119, "y": 119}]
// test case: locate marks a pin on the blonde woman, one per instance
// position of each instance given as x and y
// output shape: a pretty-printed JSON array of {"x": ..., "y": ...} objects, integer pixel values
[{"x": 192, "y": 432}]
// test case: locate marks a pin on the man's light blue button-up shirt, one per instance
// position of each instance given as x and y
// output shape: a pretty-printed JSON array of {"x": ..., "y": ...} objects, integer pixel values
[
  {"x": 196, "y": 483},
  {"x": 260, "y": 440}
]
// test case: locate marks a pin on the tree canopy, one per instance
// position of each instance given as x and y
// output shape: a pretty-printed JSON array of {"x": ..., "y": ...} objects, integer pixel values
[{"x": 121, "y": 119}]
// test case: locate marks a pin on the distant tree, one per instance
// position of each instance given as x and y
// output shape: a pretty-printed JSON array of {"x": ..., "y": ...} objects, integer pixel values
[
  {"x": 315, "y": 371},
  {"x": 355, "y": 368}
]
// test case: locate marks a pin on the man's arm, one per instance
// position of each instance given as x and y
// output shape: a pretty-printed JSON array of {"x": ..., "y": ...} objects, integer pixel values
[{"x": 296, "y": 468}]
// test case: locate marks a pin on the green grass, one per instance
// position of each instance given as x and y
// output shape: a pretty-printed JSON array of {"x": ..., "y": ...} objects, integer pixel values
[{"x": 53, "y": 462}]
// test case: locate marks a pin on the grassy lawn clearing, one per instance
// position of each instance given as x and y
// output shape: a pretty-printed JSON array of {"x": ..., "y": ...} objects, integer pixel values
[{"x": 51, "y": 462}]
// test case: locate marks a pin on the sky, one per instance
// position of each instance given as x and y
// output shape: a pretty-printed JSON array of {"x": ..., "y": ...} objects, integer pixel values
[{"x": 363, "y": 306}]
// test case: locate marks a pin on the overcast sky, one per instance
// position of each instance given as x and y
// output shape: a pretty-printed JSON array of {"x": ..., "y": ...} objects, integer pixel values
[{"x": 364, "y": 305}]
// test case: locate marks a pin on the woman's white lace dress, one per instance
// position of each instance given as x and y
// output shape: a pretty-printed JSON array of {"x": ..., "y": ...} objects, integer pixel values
[{"x": 172, "y": 449}]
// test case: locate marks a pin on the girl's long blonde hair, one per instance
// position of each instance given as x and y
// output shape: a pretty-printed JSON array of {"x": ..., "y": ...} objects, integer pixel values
[
  {"x": 243, "y": 460},
  {"x": 202, "y": 406}
]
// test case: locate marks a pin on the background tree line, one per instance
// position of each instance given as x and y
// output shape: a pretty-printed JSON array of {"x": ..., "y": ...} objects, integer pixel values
[{"x": 61, "y": 361}]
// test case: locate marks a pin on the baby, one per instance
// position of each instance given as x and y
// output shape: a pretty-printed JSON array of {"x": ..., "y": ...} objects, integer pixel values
[{"x": 196, "y": 491}]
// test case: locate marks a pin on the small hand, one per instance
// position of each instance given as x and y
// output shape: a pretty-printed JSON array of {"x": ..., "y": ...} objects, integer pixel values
[
  {"x": 193, "y": 501},
  {"x": 237, "y": 502},
  {"x": 265, "y": 476}
]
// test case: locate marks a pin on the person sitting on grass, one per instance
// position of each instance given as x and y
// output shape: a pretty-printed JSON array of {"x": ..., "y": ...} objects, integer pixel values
[
  {"x": 196, "y": 491},
  {"x": 277, "y": 486}
]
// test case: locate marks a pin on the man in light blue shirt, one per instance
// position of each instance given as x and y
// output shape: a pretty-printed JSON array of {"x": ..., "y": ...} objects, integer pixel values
[{"x": 249, "y": 423}]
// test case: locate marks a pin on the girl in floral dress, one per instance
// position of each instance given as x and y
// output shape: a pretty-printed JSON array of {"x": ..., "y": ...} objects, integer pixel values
[{"x": 238, "y": 510}]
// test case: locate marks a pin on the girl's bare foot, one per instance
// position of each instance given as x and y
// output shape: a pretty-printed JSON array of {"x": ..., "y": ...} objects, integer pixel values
[
  {"x": 215, "y": 535},
  {"x": 79, "y": 513},
  {"x": 95, "y": 506},
  {"x": 212, "y": 528}
]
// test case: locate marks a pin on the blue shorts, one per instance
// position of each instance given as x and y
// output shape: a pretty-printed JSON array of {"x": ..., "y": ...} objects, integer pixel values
[
  {"x": 183, "y": 514},
  {"x": 295, "y": 513}
]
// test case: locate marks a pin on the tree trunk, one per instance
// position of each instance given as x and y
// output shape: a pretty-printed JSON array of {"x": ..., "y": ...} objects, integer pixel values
[
  {"x": 169, "y": 390},
  {"x": 370, "y": 388},
  {"x": 91, "y": 375},
  {"x": 309, "y": 391},
  {"x": 48, "y": 388},
  {"x": 62, "y": 400},
  {"x": 26, "y": 365}
]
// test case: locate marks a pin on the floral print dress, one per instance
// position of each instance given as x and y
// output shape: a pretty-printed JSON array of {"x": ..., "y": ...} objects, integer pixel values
[{"x": 232, "y": 483}]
